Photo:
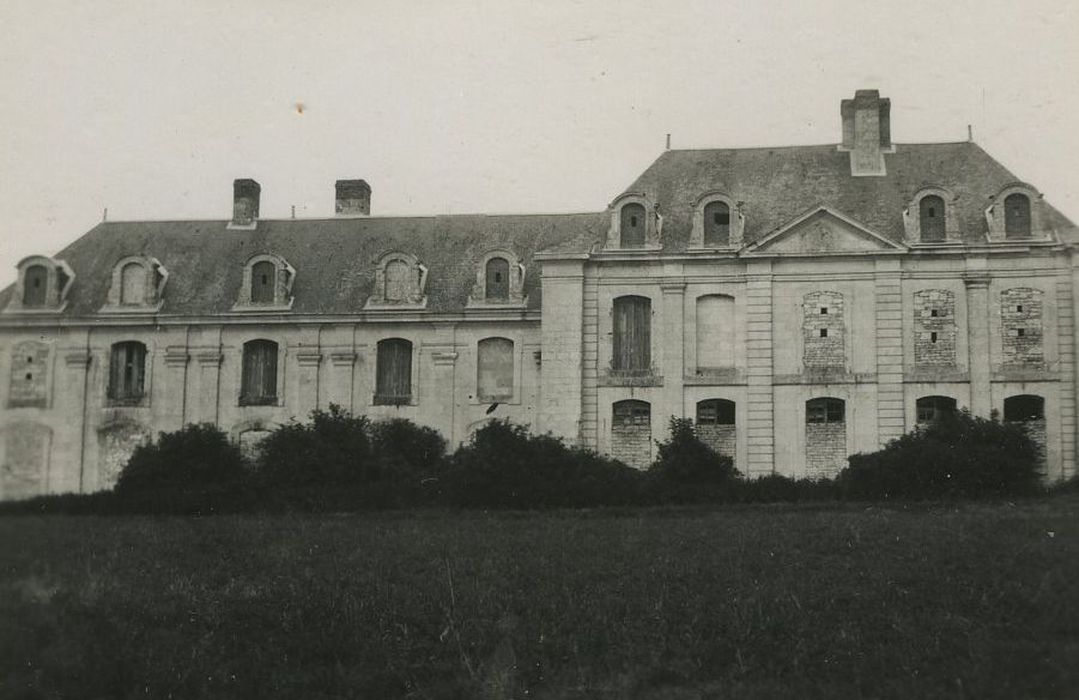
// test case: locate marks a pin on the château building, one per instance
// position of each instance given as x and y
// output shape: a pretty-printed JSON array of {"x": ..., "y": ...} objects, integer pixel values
[{"x": 800, "y": 303}]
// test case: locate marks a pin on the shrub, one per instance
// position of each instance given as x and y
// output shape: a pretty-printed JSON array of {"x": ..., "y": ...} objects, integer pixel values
[
  {"x": 960, "y": 456},
  {"x": 334, "y": 449},
  {"x": 406, "y": 451},
  {"x": 684, "y": 458},
  {"x": 195, "y": 469},
  {"x": 775, "y": 488},
  {"x": 504, "y": 466}
]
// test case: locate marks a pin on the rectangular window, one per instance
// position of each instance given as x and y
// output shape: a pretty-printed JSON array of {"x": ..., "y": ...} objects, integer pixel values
[
  {"x": 127, "y": 372},
  {"x": 824, "y": 332},
  {"x": 632, "y": 335},
  {"x": 393, "y": 382},
  {"x": 259, "y": 380}
]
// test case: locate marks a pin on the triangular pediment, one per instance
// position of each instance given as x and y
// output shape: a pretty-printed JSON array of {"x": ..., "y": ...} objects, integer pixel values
[{"x": 822, "y": 231}]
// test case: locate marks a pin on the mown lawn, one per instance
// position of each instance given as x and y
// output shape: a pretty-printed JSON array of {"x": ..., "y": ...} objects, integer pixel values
[{"x": 969, "y": 601}]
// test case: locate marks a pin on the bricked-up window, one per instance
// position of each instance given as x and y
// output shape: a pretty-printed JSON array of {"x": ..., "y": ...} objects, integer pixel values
[
  {"x": 258, "y": 385},
  {"x": 823, "y": 331},
  {"x": 494, "y": 369},
  {"x": 631, "y": 432},
  {"x": 1023, "y": 408},
  {"x": 826, "y": 410},
  {"x": 931, "y": 216},
  {"x": 715, "y": 412},
  {"x": 1021, "y": 327},
  {"x": 826, "y": 437},
  {"x": 1016, "y": 216},
  {"x": 932, "y": 409},
  {"x": 26, "y": 453},
  {"x": 263, "y": 282},
  {"x": 715, "y": 332},
  {"x": 633, "y": 226},
  {"x": 717, "y": 224},
  {"x": 29, "y": 361},
  {"x": 398, "y": 280},
  {"x": 934, "y": 328},
  {"x": 498, "y": 279},
  {"x": 35, "y": 285},
  {"x": 715, "y": 425},
  {"x": 133, "y": 284},
  {"x": 127, "y": 372},
  {"x": 393, "y": 372},
  {"x": 632, "y": 342}
]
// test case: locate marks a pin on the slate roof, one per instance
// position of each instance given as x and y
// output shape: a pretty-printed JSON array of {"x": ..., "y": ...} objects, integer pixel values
[
  {"x": 778, "y": 184},
  {"x": 335, "y": 259}
]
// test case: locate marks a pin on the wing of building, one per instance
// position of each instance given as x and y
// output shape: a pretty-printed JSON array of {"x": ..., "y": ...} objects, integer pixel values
[{"x": 799, "y": 303}]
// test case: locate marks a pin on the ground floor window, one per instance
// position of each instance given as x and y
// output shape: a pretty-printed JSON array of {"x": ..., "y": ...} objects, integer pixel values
[
  {"x": 826, "y": 437},
  {"x": 932, "y": 409},
  {"x": 1028, "y": 410},
  {"x": 631, "y": 432},
  {"x": 716, "y": 425}
]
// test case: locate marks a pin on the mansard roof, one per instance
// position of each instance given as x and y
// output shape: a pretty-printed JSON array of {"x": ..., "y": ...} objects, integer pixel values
[
  {"x": 335, "y": 259},
  {"x": 778, "y": 184}
]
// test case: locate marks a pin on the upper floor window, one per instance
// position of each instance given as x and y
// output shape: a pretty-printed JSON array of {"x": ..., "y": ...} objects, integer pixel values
[
  {"x": 263, "y": 282},
  {"x": 1017, "y": 215},
  {"x": 267, "y": 283},
  {"x": 138, "y": 282},
  {"x": 717, "y": 224},
  {"x": 393, "y": 372},
  {"x": 42, "y": 285},
  {"x": 499, "y": 280},
  {"x": 632, "y": 342},
  {"x": 633, "y": 226},
  {"x": 127, "y": 372},
  {"x": 37, "y": 278},
  {"x": 931, "y": 218},
  {"x": 497, "y": 277},
  {"x": 400, "y": 280},
  {"x": 258, "y": 381},
  {"x": 635, "y": 223},
  {"x": 494, "y": 369}
]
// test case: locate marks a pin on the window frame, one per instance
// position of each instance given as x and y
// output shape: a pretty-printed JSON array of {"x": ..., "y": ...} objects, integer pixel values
[
  {"x": 124, "y": 389},
  {"x": 511, "y": 397},
  {"x": 247, "y": 394},
  {"x": 625, "y": 361},
  {"x": 381, "y": 397},
  {"x": 823, "y": 410}
]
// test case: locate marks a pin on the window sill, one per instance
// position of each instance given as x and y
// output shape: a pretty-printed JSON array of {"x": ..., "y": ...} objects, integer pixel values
[
  {"x": 617, "y": 378},
  {"x": 381, "y": 305},
  {"x": 27, "y": 403},
  {"x": 254, "y": 307},
  {"x": 131, "y": 309},
  {"x": 392, "y": 400},
  {"x": 128, "y": 402},
  {"x": 17, "y": 308},
  {"x": 260, "y": 401}
]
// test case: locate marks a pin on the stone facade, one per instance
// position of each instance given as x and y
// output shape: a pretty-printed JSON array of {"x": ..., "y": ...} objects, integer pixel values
[
  {"x": 826, "y": 449},
  {"x": 1021, "y": 327},
  {"x": 823, "y": 330},
  {"x": 935, "y": 331}
]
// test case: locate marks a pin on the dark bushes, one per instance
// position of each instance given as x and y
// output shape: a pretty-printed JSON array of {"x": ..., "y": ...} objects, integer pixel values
[
  {"x": 687, "y": 470},
  {"x": 959, "y": 456},
  {"x": 504, "y": 466}
]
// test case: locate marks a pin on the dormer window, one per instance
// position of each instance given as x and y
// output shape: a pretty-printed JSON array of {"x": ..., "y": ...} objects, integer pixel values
[
  {"x": 931, "y": 213},
  {"x": 1017, "y": 216},
  {"x": 498, "y": 272},
  {"x": 42, "y": 286},
  {"x": 717, "y": 222},
  {"x": 930, "y": 217},
  {"x": 632, "y": 226},
  {"x": 635, "y": 224},
  {"x": 267, "y": 284},
  {"x": 400, "y": 281},
  {"x": 499, "y": 281},
  {"x": 138, "y": 283}
]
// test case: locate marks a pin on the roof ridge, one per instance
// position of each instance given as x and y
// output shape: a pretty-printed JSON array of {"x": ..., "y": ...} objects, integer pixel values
[
  {"x": 359, "y": 218},
  {"x": 811, "y": 145}
]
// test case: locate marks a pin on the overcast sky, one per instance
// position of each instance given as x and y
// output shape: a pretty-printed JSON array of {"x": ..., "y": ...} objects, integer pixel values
[{"x": 152, "y": 108}]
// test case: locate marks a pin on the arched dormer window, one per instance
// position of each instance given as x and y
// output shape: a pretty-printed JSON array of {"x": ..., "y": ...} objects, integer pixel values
[
  {"x": 138, "y": 283},
  {"x": 266, "y": 285},
  {"x": 717, "y": 222},
  {"x": 42, "y": 285},
  {"x": 400, "y": 281},
  {"x": 499, "y": 281},
  {"x": 930, "y": 217},
  {"x": 1016, "y": 214},
  {"x": 635, "y": 224}
]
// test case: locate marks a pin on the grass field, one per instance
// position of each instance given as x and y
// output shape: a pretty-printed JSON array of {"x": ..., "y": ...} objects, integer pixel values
[{"x": 961, "y": 601}]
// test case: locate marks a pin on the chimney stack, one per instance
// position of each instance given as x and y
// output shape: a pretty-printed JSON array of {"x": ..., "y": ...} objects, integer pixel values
[
  {"x": 867, "y": 132},
  {"x": 353, "y": 198},
  {"x": 245, "y": 202}
]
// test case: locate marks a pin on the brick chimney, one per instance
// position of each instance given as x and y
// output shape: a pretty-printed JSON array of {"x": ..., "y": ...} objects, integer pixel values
[
  {"x": 245, "y": 202},
  {"x": 867, "y": 132},
  {"x": 353, "y": 198}
]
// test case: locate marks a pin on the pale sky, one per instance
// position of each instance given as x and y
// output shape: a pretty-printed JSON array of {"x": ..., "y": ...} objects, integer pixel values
[{"x": 152, "y": 108}]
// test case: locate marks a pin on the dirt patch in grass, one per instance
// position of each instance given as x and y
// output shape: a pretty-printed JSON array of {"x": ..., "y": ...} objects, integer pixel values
[{"x": 951, "y": 601}]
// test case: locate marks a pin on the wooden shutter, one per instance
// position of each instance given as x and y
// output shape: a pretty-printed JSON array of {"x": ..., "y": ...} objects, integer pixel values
[
  {"x": 259, "y": 380},
  {"x": 632, "y": 335},
  {"x": 632, "y": 226},
  {"x": 931, "y": 216},
  {"x": 127, "y": 371},
  {"x": 393, "y": 384},
  {"x": 263, "y": 282}
]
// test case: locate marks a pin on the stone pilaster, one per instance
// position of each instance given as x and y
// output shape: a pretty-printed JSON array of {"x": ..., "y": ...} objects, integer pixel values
[
  {"x": 208, "y": 386},
  {"x": 672, "y": 334},
  {"x": 977, "y": 284},
  {"x": 339, "y": 386},
  {"x": 76, "y": 381},
  {"x": 308, "y": 361},
  {"x": 174, "y": 389},
  {"x": 889, "y": 330},
  {"x": 444, "y": 362},
  {"x": 562, "y": 331},
  {"x": 760, "y": 416}
]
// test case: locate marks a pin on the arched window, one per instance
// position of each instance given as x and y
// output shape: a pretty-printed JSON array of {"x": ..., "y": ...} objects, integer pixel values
[
  {"x": 717, "y": 224},
  {"x": 715, "y": 332},
  {"x": 497, "y": 279},
  {"x": 263, "y": 282},
  {"x": 133, "y": 284},
  {"x": 632, "y": 344},
  {"x": 715, "y": 425},
  {"x": 932, "y": 409},
  {"x": 398, "y": 282},
  {"x": 35, "y": 286},
  {"x": 632, "y": 226},
  {"x": 1024, "y": 408},
  {"x": 631, "y": 432},
  {"x": 494, "y": 369},
  {"x": 931, "y": 216},
  {"x": 393, "y": 370},
  {"x": 715, "y": 412},
  {"x": 1016, "y": 216},
  {"x": 258, "y": 385},
  {"x": 127, "y": 372},
  {"x": 826, "y": 410}
]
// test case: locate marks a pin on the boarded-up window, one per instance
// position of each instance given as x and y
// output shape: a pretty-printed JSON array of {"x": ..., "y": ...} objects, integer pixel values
[
  {"x": 935, "y": 408},
  {"x": 931, "y": 217},
  {"x": 127, "y": 372},
  {"x": 1028, "y": 410},
  {"x": 35, "y": 284},
  {"x": 632, "y": 342},
  {"x": 498, "y": 279},
  {"x": 26, "y": 454},
  {"x": 393, "y": 369},
  {"x": 717, "y": 224},
  {"x": 263, "y": 282},
  {"x": 826, "y": 437},
  {"x": 133, "y": 284},
  {"x": 715, "y": 332},
  {"x": 1016, "y": 215},
  {"x": 494, "y": 369},
  {"x": 632, "y": 226},
  {"x": 259, "y": 376},
  {"x": 399, "y": 278},
  {"x": 631, "y": 432},
  {"x": 716, "y": 425},
  {"x": 29, "y": 363}
]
